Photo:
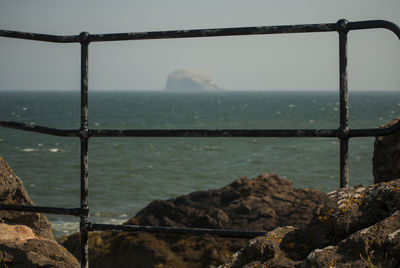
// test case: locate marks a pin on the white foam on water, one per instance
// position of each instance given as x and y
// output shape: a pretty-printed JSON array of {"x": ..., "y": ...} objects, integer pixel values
[
  {"x": 61, "y": 228},
  {"x": 28, "y": 150},
  {"x": 54, "y": 150}
]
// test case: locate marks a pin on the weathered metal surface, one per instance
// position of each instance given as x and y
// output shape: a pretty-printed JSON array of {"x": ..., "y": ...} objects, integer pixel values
[
  {"x": 39, "y": 129},
  {"x": 374, "y": 132},
  {"x": 38, "y": 209},
  {"x": 214, "y": 133},
  {"x": 375, "y": 24},
  {"x": 343, "y": 29},
  {"x": 40, "y": 37},
  {"x": 174, "y": 230},
  {"x": 281, "y": 29},
  {"x": 83, "y": 134},
  {"x": 368, "y": 132},
  {"x": 215, "y": 32}
]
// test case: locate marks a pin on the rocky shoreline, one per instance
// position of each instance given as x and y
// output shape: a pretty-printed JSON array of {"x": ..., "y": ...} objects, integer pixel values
[
  {"x": 354, "y": 227},
  {"x": 260, "y": 204}
]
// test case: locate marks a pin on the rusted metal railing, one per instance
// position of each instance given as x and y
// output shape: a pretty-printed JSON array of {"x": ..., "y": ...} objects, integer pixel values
[{"x": 343, "y": 132}]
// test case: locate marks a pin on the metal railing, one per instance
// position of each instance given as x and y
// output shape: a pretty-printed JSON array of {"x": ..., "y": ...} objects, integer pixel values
[{"x": 343, "y": 132}]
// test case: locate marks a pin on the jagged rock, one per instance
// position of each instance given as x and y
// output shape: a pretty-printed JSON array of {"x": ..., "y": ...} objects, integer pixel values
[
  {"x": 354, "y": 227},
  {"x": 374, "y": 245},
  {"x": 25, "y": 238},
  {"x": 117, "y": 249},
  {"x": 262, "y": 203},
  {"x": 258, "y": 204},
  {"x": 13, "y": 192},
  {"x": 18, "y": 234},
  {"x": 20, "y": 247},
  {"x": 189, "y": 80},
  {"x": 386, "y": 158},
  {"x": 261, "y": 250}
]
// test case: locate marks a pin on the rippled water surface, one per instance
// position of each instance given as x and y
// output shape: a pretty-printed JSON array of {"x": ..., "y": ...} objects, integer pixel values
[{"x": 125, "y": 174}]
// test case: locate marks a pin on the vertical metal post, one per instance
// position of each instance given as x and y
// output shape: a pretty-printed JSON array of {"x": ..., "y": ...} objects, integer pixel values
[
  {"x": 83, "y": 134},
  {"x": 342, "y": 28}
]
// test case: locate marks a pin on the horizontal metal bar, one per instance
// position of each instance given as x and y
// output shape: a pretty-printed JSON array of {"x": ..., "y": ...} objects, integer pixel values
[
  {"x": 368, "y": 132},
  {"x": 174, "y": 230},
  {"x": 374, "y": 24},
  {"x": 41, "y": 37},
  {"x": 260, "y": 30},
  {"x": 374, "y": 132},
  {"x": 213, "y": 133},
  {"x": 39, "y": 129},
  {"x": 212, "y": 32},
  {"x": 301, "y": 28},
  {"x": 49, "y": 210}
]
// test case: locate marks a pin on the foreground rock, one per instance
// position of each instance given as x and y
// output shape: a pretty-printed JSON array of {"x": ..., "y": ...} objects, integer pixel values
[
  {"x": 260, "y": 204},
  {"x": 25, "y": 238},
  {"x": 355, "y": 227},
  {"x": 189, "y": 80},
  {"x": 12, "y": 192},
  {"x": 386, "y": 159}
]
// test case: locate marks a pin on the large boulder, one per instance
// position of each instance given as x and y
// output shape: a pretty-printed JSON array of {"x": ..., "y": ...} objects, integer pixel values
[
  {"x": 262, "y": 204},
  {"x": 386, "y": 158},
  {"x": 354, "y": 227},
  {"x": 26, "y": 239},
  {"x": 20, "y": 247},
  {"x": 189, "y": 80},
  {"x": 13, "y": 192}
]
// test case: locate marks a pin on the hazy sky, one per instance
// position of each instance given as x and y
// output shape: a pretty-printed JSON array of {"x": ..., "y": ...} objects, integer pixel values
[{"x": 280, "y": 62}]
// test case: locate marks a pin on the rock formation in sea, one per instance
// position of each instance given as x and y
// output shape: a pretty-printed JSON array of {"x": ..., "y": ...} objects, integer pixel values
[
  {"x": 354, "y": 227},
  {"x": 386, "y": 159},
  {"x": 25, "y": 238},
  {"x": 189, "y": 80},
  {"x": 262, "y": 204}
]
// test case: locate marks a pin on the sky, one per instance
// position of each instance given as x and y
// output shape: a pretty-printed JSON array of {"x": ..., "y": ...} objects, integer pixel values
[{"x": 269, "y": 62}]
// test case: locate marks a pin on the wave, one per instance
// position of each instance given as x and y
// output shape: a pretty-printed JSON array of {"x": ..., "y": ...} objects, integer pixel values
[{"x": 28, "y": 150}]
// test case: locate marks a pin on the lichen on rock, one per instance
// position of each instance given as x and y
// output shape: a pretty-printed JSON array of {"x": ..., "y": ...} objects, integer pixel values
[{"x": 353, "y": 227}]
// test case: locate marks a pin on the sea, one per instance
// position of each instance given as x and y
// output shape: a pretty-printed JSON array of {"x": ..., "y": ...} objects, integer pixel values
[{"x": 126, "y": 174}]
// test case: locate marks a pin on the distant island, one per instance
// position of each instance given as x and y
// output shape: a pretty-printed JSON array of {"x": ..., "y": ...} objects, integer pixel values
[{"x": 189, "y": 80}]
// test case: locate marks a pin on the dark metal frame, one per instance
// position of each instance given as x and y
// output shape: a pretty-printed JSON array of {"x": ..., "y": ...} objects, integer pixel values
[{"x": 344, "y": 133}]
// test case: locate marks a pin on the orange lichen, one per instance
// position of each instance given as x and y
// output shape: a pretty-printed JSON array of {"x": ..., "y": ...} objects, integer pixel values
[
  {"x": 324, "y": 218},
  {"x": 351, "y": 202},
  {"x": 273, "y": 237},
  {"x": 331, "y": 264}
]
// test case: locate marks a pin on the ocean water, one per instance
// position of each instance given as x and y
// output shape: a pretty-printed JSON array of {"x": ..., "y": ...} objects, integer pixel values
[{"x": 125, "y": 174}]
